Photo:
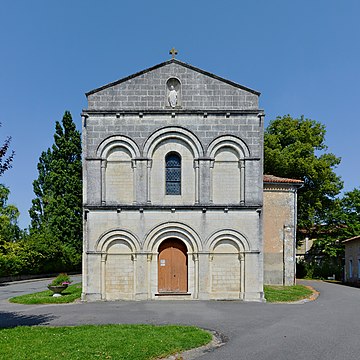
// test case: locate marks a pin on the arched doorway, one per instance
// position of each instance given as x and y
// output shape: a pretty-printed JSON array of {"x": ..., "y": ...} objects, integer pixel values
[{"x": 172, "y": 267}]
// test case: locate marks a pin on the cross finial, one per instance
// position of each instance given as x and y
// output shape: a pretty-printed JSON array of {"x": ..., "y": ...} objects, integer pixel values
[{"x": 173, "y": 52}]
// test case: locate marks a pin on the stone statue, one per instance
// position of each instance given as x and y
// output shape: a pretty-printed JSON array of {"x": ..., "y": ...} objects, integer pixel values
[{"x": 172, "y": 96}]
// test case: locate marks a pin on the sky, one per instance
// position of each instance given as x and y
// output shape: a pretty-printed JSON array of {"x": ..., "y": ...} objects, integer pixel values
[{"x": 302, "y": 55}]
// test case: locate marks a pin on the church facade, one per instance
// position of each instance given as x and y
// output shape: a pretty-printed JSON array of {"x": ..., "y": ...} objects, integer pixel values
[{"x": 173, "y": 188}]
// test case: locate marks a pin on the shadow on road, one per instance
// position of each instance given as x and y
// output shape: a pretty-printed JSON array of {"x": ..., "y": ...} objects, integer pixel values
[
  {"x": 353, "y": 285},
  {"x": 10, "y": 319}
]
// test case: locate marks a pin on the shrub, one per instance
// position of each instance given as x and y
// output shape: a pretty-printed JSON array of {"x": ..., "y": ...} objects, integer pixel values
[
  {"x": 319, "y": 269},
  {"x": 61, "y": 279}
]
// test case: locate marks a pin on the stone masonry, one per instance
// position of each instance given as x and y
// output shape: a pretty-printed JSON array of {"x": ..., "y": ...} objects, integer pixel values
[{"x": 215, "y": 128}]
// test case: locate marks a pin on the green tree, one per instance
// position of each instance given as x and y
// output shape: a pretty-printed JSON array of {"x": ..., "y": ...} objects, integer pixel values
[
  {"x": 5, "y": 161},
  {"x": 57, "y": 208},
  {"x": 341, "y": 222},
  {"x": 295, "y": 148},
  {"x": 350, "y": 205},
  {"x": 10, "y": 235},
  {"x": 9, "y": 229}
]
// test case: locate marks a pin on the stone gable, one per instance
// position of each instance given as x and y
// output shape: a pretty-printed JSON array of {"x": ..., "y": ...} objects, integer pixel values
[{"x": 198, "y": 90}]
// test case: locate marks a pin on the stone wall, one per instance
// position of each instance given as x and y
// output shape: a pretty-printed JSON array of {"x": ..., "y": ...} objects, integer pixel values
[
  {"x": 147, "y": 90},
  {"x": 216, "y": 129},
  {"x": 280, "y": 231},
  {"x": 352, "y": 260}
]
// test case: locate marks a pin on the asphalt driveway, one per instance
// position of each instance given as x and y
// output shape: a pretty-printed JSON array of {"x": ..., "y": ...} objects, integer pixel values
[{"x": 327, "y": 328}]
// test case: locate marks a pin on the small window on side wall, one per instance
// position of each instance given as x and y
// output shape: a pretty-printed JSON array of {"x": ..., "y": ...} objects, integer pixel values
[{"x": 173, "y": 174}]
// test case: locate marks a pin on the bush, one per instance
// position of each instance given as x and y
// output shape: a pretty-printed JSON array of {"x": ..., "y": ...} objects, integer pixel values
[
  {"x": 60, "y": 280},
  {"x": 37, "y": 254},
  {"x": 10, "y": 264},
  {"x": 319, "y": 269}
]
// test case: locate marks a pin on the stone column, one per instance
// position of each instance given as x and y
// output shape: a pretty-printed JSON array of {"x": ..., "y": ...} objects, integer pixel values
[
  {"x": 102, "y": 182},
  {"x": 211, "y": 182},
  {"x": 211, "y": 258},
  {"x": 242, "y": 182},
  {"x": 134, "y": 258},
  {"x": 149, "y": 259},
  {"x": 103, "y": 276},
  {"x": 133, "y": 166},
  {"x": 196, "y": 166},
  {"x": 242, "y": 275},
  {"x": 196, "y": 273},
  {"x": 148, "y": 183}
]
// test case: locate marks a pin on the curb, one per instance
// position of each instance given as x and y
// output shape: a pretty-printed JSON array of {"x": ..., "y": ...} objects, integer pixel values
[
  {"x": 217, "y": 341},
  {"x": 313, "y": 297},
  {"x": 315, "y": 294}
]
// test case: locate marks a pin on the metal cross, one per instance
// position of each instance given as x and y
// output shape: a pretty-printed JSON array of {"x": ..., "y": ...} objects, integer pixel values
[{"x": 173, "y": 52}]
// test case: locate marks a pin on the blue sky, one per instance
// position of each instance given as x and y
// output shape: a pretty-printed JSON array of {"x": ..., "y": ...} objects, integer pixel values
[{"x": 303, "y": 56}]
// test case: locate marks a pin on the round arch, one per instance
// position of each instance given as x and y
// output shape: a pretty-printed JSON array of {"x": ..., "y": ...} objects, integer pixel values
[
  {"x": 238, "y": 145},
  {"x": 237, "y": 238},
  {"x": 105, "y": 240},
  {"x": 117, "y": 141},
  {"x": 173, "y": 133},
  {"x": 172, "y": 230}
]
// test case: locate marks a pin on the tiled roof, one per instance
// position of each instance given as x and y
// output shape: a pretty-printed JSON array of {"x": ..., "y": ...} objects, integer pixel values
[
  {"x": 276, "y": 179},
  {"x": 353, "y": 238}
]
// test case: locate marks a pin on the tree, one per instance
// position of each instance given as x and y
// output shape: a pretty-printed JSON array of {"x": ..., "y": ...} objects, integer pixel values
[
  {"x": 341, "y": 222},
  {"x": 5, "y": 162},
  {"x": 9, "y": 229},
  {"x": 10, "y": 235},
  {"x": 295, "y": 148},
  {"x": 57, "y": 207},
  {"x": 350, "y": 204}
]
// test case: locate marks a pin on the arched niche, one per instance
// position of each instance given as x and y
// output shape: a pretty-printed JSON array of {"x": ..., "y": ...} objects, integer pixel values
[
  {"x": 228, "y": 170},
  {"x": 117, "y": 154},
  {"x": 118, "y": 266},
  {"x": 173, "y": 93}
]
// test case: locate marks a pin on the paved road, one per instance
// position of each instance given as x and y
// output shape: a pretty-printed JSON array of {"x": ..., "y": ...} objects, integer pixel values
[
  {"x": 327, "y": 328},
  {"x": 11, "y": 289}
]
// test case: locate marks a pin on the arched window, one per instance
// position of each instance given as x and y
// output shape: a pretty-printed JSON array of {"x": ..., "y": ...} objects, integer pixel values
[{"x": 173, "y": 174}]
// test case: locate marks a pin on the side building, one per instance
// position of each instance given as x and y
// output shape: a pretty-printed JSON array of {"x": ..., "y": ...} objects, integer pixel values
[
  {"x": 280, "y": 219},
  {"x": 352, "y": 260}
]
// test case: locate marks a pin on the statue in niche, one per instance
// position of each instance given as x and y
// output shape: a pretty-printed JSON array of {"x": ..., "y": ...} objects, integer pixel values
[
  {"x": 173, "y": 93},
  {"x": 172, "y": 98}
]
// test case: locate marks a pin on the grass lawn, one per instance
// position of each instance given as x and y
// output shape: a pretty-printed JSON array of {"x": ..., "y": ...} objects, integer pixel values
[
  {"x": 286, "y": 293},
  {"x": 99, "y": 342},
  {"x": 72, "y": 293}
]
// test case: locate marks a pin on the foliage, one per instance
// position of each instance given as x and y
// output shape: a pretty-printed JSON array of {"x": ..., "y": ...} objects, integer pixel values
[
  {"x": 295, "y": 148},
  {"x": 10, "y": 262},
  {"x": 320, "y": 268},
  {"x": 10, "y": 233},
  {"x": 350, "y": 211},
  {"x": 286, "y": 293},
  {"x": 5, "y": 161},
  {"x": 341, "y": 222},
  {"x": 130, "y": 342},
  {"x": 56, "y": 212},
  {"x": 37, "y": 253},
  {"x": 60, "y": 280},
  {"x": 71, "y": 294},
  {"x": 9, "y": 229}
]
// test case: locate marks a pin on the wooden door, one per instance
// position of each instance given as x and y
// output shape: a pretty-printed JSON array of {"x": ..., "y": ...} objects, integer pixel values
[{"x": 172, "y": 267}]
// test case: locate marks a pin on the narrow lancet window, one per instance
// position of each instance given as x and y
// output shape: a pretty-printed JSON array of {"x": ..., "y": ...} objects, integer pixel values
[{"x": 173, "y": 174}]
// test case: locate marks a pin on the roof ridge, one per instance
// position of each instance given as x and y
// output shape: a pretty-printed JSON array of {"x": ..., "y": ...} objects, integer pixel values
[{"x": 176, "y": 61}]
